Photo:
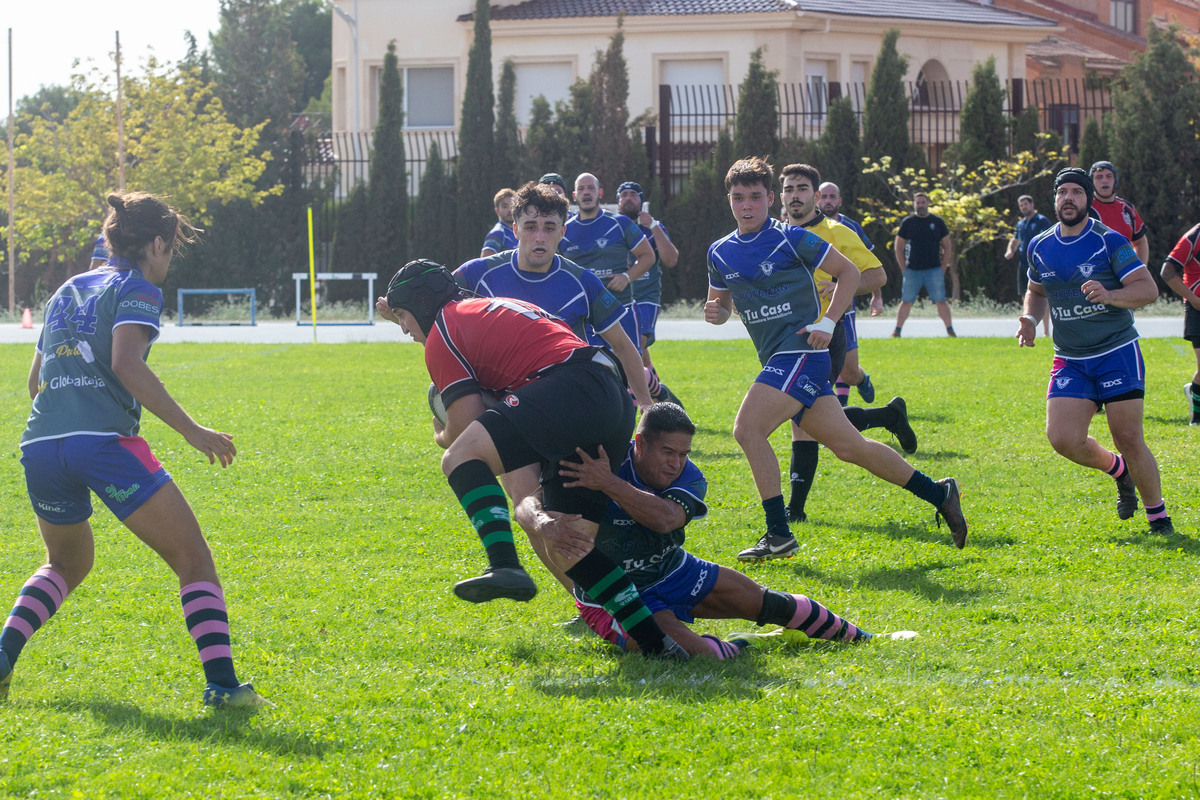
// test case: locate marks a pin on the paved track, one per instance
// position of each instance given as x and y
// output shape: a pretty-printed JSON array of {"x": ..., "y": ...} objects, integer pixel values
[{"x": 668, "y": 329}]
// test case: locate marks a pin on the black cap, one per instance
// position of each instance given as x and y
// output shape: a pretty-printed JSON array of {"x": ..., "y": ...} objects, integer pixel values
[
  {"x": 1078, "y": 176},
  {"x": 421, "y": 288},
  {"x": 634, "y": 186},
  {"x": 554, "y": 178}
]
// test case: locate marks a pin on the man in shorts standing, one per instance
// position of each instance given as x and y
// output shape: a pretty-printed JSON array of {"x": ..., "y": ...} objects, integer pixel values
[
  {"x": 558, "y": 394},
  {"x": 1029, "y": 226},
  {"x": 1091, "y": 280},
  {"x": 766, "y": 269},
  {"x": 1181, "y": 271},
  {"x": 924, "y": 251}
]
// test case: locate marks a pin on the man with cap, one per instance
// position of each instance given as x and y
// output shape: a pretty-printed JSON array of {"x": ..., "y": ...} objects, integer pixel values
[
  {"x": 1117, "y": 212},
  {"x": 557, "y": 394},
  {"x": 647, "y": 290},
  {"x": 1091, "y": 279},
  {"x": 610, "y": 245}
]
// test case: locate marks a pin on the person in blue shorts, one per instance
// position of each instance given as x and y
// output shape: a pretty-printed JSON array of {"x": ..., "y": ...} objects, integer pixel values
[
  {"x": 654, "y": 495},
  {"x": 89, "y": 382},
  {"x": 766, "y": 269},
  {"x": 852, "y": 374},
  {"x": 1091, "y": 279},
  {"x": 610, "y": 245},
  {"x": 647, "y": 290},
  {"x": 501, "y": 236}
]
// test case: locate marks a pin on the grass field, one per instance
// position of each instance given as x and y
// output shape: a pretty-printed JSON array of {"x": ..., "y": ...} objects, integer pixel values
[{"x": 1057, "y": 658}]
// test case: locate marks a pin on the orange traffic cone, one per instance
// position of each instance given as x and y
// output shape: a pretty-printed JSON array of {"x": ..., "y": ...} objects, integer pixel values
[{"x": 27, "y": 319}]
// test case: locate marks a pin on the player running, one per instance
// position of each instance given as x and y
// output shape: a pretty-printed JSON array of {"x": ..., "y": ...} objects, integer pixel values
[
  {"x": 767, "y": 270},
  {"x": 1091, "y": 279},
  {"x": 1181, "y": 271},
  {"x": 89, "y": 382}
]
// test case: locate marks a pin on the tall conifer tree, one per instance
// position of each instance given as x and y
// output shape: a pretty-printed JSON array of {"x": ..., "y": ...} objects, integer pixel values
[
  {"x": 387, "y": 193},
  {"x": 476, "y": 140}
]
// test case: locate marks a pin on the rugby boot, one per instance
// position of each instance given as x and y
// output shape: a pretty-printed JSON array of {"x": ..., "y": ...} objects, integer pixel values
[
  {"x": 1160, "y": 526},
  {"x": 866, "y": 389},
  {"x": 243, "y": 696},
  {"x": 905, "y": 435},
  {"x": 512, "y": 583},
  {"x": 769, "y": 547},
  {"x": 1127, "y": 499},
  {"x": 951, "y": 511}
]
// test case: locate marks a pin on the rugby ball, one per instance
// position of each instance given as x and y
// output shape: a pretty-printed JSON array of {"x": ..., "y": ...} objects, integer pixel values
[
  {"x": 436, "y": 405},
  {"x": 490, "y": 400}
]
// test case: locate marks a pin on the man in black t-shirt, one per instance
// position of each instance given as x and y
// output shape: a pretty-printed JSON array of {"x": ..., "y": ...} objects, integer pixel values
[{"x": 924, "y": 252}]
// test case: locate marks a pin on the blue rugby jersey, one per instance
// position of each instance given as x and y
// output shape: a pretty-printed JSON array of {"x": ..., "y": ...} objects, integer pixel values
[
  {"x": 500, "y": 238},
  {"x": 1062, "y": 265},
  {"x": 567, "y": 290},
  {"x": 602, "y": 244},
  {"x": 769, "y": 273},
  {"x": 78, "y": 393}
]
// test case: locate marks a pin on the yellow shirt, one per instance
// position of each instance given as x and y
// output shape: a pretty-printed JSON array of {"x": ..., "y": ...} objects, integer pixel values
[{"x": 846, "y": 242}]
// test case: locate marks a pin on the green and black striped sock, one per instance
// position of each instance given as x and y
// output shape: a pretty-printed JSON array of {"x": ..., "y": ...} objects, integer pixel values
[{"x": 487, "y": 507}]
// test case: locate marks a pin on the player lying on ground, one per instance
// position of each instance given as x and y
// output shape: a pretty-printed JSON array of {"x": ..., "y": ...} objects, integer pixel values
[{"x": 652, "y": 498}]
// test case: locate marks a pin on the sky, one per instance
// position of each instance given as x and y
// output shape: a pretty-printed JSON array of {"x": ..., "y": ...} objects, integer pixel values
[{"x": 49, "y": 35}]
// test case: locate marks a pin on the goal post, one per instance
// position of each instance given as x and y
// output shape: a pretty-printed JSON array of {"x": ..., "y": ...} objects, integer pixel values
[
  {"x": 369, "y": 277},
  {"x": 183, "y": 292}
]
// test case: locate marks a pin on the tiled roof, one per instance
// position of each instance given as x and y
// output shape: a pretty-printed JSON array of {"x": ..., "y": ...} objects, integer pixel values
[{"x": 967, "y": 11}]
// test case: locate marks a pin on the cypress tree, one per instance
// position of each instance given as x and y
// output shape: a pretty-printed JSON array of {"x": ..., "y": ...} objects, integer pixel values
[
  {"x": 697, "y": 217},
  {"x": 609, "y": 146},
  {"x": 756, "y": 128},
  {"x": 839, "y": 150},
  {"x": 387, "y": 193},
  {"x": 1025, "y": 127},
  {"x": 476, "y": 139},
  {"x": 542, "y": 151},
  {"x": 508, "y": 155},
  {"x": 1091, "y": 144},
  {"x": 434, "y": 221},
  {"x": 885, "y": 116},
  {"x": 982, "y": 130},
  {"x": 572, "y": 132}
]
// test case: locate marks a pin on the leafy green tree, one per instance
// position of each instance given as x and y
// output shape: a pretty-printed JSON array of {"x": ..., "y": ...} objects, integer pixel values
[
  {"x": 259, "y": 74},
  {"x": 387, "y": 186},
  {"x": 756, "y": 128},
  {"x": 885, "y": 115},
  {"x": 309, "y": 23},
  {"x": 1091, "y": 144},
  {"x": 963, "y": 198},
  {"x": 572, "y": 132},
  {"x": 508, "y": 154},
  {"x": 476, "y": 140},
  {"x": 1154, "y": 115},
  {"x": 435, "y": 231},
  {"x": 982, "y": 133}
]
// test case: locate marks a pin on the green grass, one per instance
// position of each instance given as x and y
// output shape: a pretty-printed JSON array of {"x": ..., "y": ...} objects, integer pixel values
[{"x": 1057, "y": 655}]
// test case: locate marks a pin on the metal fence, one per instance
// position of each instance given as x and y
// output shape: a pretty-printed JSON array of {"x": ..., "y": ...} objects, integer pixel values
[{"x": 692, "y": 117}]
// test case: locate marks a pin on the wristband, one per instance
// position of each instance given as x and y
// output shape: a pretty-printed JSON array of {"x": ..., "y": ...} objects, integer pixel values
[{"x": 825, "y": 325}]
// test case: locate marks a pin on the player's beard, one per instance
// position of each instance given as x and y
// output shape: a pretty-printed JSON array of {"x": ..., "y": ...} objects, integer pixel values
[{"x": 1077, "y": 217}]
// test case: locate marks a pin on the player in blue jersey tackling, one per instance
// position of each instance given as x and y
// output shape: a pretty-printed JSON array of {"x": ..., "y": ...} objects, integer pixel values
[
  {"x": 89, "y": 382},
  {"x": 767, "y": 268},
  {"x": 1090, "y": 278}
]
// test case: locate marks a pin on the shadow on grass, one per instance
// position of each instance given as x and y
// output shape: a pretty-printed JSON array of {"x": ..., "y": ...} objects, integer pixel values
[
  {"x": 1154, "y": 541},
  {"x": 929, "y": 532},
  {"x": 926, "y": 455},
  {"x": 917, "y": 579},
  {"x": 227, "y": 725}
]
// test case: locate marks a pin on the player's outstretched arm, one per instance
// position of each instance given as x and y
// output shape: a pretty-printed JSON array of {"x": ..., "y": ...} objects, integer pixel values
[
  {"x": 1031, "y": 315},
  {"x": 129, "y": 344},
  {"x": 631, "y": 362}
]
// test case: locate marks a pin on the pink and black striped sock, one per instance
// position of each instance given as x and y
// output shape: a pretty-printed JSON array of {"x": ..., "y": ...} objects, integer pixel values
[
  {"x": 843, "y": 393},
  {"x": 722, "y": 650},
  {"x": 1117, "y": 469},
  {"x": 1156, "y": 512},
  {"x": 40, "y": 597},
  {"x": 818, "y": 622},
  {"x": 207, "y": 621}
]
